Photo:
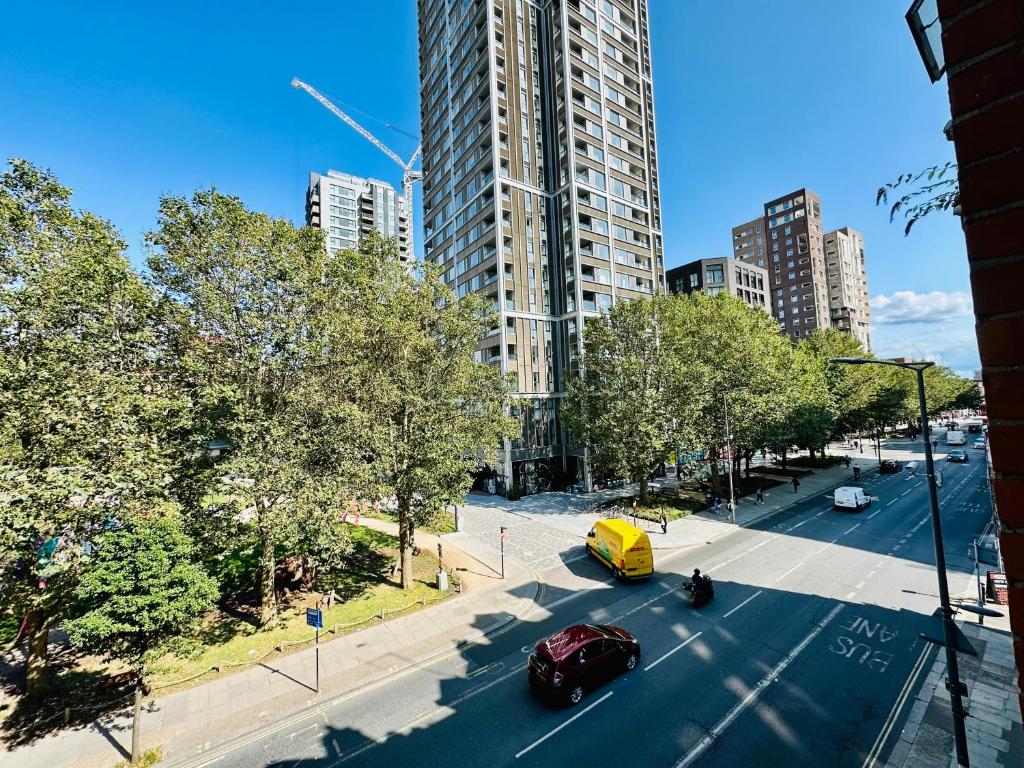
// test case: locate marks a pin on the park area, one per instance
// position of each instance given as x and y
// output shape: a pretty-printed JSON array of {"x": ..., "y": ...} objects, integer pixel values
[{"x": 365, "y": 591}]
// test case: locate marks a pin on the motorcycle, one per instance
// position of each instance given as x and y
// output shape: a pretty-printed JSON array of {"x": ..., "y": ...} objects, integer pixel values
[{"x": 701, "y": 596}]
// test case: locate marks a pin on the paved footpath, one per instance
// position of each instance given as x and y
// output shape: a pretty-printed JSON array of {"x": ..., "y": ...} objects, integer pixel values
[{"x": 995, "y": 736}]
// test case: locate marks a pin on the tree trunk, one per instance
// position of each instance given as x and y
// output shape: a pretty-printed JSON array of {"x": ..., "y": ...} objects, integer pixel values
[
  {"x": 643, "y": 489},
  {"x": 268, "y": 597},
  {"x": 37, "y": 635},
  {"x": 785, "y": 453},
  {"x": 746, "y": 458},
  {"x": 136, "y": 720},
  {"x": 405, "y": 537}
]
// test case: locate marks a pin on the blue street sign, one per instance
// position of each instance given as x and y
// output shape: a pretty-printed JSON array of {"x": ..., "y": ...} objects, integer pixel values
[{"x": 315, "y": 618}]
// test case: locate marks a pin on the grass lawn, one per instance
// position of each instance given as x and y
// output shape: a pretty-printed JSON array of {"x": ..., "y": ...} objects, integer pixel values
[
  {"x": 443, "y": 523},
  {"x": 231, "y": 638}
]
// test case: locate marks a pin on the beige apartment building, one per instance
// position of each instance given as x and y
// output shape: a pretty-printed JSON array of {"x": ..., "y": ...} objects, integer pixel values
[
  {"x": 540, "y": 188},
  {"x": 788, "y": 240},
  {"x": 848, "y": 284},
  {"x": 349, "y": 207}
]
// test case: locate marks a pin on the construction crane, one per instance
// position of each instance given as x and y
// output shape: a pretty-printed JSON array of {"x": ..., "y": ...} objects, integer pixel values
[{"x": 409, "y": 176}]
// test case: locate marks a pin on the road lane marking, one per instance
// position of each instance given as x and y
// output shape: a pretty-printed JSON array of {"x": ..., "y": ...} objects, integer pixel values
[
  {"x": 574, "y": 595},
  {"x": 872, "y": 574},
  {"x": 789, "y": 571},
  {"x": 819, "y": 514},
  {"x": 873, "y": 514},
  {"x": 826, "y": 546},
  {"x": 717, "y": 731},
  {"x": 683, "y": 644},
  {"x": 892, "y": 502},
  {"x": 906, "y": 491},
  {"x": 861, "y": 585},
  {"x": 447, "y": 707},
  {"x": 805, "y": 522},
  {"x": 668, "y": 591},
  {"x": 572, "y": 719},
  {"x": 901, "y": 700},
  {"x": 757, "y": 546},
  {"x": 850, "y": 596},
  {"x": 730, "y": 613},
  {"x": 851, "y": 529}
]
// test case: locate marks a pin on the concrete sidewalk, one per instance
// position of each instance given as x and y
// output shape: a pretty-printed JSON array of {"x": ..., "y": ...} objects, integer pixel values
[
  {"x": 192, "y": 721},
  {"x": 994, "y": 731}
]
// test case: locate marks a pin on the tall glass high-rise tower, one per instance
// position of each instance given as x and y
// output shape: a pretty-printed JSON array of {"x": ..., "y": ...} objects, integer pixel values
[{"x": 540, "y": 186}]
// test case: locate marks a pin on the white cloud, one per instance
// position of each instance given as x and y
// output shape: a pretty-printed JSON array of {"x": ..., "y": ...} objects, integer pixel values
[
  {"x": 952, "y": 343},
  {"x": 912, "y": 307}
]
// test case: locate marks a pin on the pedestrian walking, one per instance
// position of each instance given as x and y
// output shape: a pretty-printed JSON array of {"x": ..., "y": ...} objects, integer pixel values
[
  {"x": 847, "y": 462},
  {"x": 760, "y": 495},
  {"x": 856, "y": 473},
  {"x": 664, "y": 522},
  {"x": 935, "y": 445},
  {"x": 716, "y": 506},
  {"x": 796, "y": 485}
]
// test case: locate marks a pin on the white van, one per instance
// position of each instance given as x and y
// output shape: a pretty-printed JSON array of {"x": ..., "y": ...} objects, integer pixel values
[
  {"x": 849, "y": 497},
  {"x": 956, "y": 437}
]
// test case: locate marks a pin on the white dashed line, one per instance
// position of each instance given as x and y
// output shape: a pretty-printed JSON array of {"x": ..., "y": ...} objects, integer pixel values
[
  {"x": 826, "y": 546},
  {"x": 789, "y": 571},
  {"x": 575, "y": 717},
  {"x": 730, "y": 613},
  {"x": 851, "y": 528},
  {"x": 891, "y": 502},
  {"x": 683, "y": 644}
]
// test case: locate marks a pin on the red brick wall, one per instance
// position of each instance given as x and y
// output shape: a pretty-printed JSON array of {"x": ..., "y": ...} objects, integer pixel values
[{"x": 983, "y": 42}]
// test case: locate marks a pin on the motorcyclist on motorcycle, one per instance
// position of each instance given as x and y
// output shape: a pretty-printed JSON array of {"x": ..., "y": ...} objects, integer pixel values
[{"x": 700, "y": 586}]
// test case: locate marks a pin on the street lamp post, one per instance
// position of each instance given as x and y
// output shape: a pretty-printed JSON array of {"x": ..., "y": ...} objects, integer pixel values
[
  {"x": 728, "y": 448},
  {"x": 953, "y": 684}
]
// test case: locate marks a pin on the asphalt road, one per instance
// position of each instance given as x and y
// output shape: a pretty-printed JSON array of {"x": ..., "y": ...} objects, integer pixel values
[{"x": 802, "y": 659}]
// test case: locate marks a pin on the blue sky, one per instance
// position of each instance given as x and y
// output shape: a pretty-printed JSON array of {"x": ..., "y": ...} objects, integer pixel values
[{"x": 128, "y": 101}]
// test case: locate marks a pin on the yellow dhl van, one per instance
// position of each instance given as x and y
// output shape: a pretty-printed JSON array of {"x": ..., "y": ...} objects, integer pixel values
[{"x": 622, "y": 547}]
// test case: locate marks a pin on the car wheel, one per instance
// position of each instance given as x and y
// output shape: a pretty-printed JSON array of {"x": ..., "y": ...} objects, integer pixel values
[
  {"x": 576, "y": 694},
  {"x": 631, "y": 662},
  {"x": 616, "y": 573}
]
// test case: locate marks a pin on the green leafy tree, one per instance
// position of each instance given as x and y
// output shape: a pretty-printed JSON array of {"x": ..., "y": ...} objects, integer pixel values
[
  {"x": 87, "y": 414},
  {"x": 433, "y": 413},
  {"x": 851, "y": 387},
  {"x": 618, "y": 407},
  {"x": 258, "y": 322},
  {"x": 719, "y": 348},
  {"x": 140, "y": 594},
  {"x": 933, "y": 189}
]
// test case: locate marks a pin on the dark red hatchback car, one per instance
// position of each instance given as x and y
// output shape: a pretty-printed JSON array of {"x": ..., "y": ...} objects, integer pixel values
[{"x": 578, "y": 659}]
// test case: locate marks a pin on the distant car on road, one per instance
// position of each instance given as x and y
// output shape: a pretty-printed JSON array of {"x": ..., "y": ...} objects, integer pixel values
[
  {"x": 578, "y": 659},
  {"x": 974, "y": 429},
  {"x": 980, "y": 443},
  {"x": 889, "y": 467},
  {"x": 957, "y": 455}
]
